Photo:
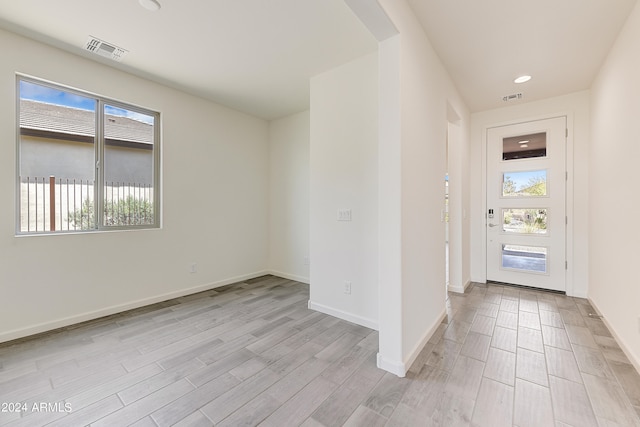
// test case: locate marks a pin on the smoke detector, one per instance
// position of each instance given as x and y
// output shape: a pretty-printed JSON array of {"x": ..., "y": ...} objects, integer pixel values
[
  {"x": 105, "y": 49},
  {"x": 512, "y": 97}
]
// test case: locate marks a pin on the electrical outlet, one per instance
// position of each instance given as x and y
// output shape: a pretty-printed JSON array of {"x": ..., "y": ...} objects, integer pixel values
[
  {"x": 347, "y": 287},
  {"x": 306, "y": 260},
  {"x": 193, "y": 268},
  {"x": 344, "y": 214}
]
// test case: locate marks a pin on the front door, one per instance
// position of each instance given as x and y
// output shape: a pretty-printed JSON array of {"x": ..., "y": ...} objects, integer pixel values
[{"x": 526, "y": 214}]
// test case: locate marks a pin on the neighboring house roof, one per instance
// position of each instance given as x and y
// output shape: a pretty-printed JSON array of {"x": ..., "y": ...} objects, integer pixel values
[{"x": 42, "y": 118}]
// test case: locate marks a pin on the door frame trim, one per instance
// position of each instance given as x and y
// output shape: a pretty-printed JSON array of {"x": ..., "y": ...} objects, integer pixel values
[{"x": 569, "y": 195}]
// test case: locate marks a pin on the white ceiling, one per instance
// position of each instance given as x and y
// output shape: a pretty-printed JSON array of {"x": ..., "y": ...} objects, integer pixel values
[
  {"x": 253, "y": 55},
  {"x": 257, "y": 55},
  {"x": 485, "y": 44}
]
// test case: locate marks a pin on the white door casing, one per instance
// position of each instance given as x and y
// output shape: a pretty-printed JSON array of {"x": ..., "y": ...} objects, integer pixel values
[{"x": 526, "y": 203}]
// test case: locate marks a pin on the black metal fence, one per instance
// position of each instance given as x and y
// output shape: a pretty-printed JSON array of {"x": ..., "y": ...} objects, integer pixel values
[{"x": 48, "y": 204}]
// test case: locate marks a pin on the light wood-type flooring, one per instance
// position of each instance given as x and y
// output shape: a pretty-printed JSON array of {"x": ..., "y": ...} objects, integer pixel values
[{"x": 252, "y": 353}]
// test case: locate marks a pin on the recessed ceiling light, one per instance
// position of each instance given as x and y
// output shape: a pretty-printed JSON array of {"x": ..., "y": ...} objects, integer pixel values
[
  {"x": 523, "y": 142},
  {"x": 521, "y": 79},
  {"x": 152, "y": 5}
]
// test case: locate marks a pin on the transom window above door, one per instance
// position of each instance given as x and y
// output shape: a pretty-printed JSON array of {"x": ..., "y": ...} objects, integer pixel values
[{"x": 524, "y": 146}]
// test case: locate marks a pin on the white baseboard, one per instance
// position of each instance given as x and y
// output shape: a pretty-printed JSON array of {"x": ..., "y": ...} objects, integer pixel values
[
  {"x": 400, "y": 368},
  {"x": 349, "y": 317},
  {"x": 578, "y": 295},
  {"x": 632, "y": 357},
  {"x": 295, "y": 277},
  {"x": 459, "y": 289},
  {"x": 396, "y": 368},
  {"x": 72, "y": 320},
  {"x": 413, "y": 355}
]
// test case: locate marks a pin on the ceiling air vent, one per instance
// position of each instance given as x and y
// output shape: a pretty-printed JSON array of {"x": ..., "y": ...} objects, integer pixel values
[
  {"x": 102, "y": 48},
  {"x": 512, "y": 97}
]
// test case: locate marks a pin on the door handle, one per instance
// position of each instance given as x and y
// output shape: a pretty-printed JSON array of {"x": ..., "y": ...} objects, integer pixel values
[{"x": 493, "y": 225}]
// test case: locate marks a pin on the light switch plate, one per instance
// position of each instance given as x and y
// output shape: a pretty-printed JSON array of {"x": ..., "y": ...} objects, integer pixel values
[
  {"x": 347, "y": 287},
  {"x": 344, "y": 214}
]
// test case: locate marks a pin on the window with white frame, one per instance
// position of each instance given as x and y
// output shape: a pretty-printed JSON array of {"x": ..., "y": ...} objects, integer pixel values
[{"x": 85, "y": 162}]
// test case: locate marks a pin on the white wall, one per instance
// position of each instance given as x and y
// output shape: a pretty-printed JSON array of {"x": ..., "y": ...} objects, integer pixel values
[
  {"x": 215, "y": 205},
  {"x": 343, "y": 175},
  {"x": 459, "y": 204},
  {"x": 415, "y": 93},
  {"x": 576, "y": 107},
  {"x": 614, "y": 235},
  {"x": 289, "y": 197}
]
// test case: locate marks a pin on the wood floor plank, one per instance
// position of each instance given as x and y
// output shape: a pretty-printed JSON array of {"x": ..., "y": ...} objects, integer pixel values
[
  {"x": 227, "y": 403},
  {"x": 147, "y": 405},
  {"x": 87, "y": 415},
  {"x": 364, "y": 416},
  {"x": 69, "y": 389},
  {"x": 285, "y": 388},
  {"x": 337, "y": 408},
  {"x": 531, "y": 366},
  {"x": 501, "y": 366},
  {"x": 494, "y": 404},
  {"x": 507, "y": 319},
  {"x": 202, "y": 374},
  {"x": 597, "y": 327},
  {"x": 548, "y": 305},
  {"x": 592, "y": 361},
  {"x": 629, "y": 380},
  {"x": 505, "y": 339},
  {"x": 457, "y": 331},
  {"x": 196, "y": 419},
  {"x": 253, "y": 413},
  {"x": 406, "y": 416},
  {"x": 190, "y": 353},
  {"x": 532, "y": 407},
  {"x": 466, "y": 315},
  {"x": 476, "y": 346},
  {"x": 465, "y": 378},
  {"x": 342, "y": 368},
  {"x": 529, "y": 320},
  {"x": 562, "y": 363},
  {"x": 444, "y": 354},
  {"x": 488, "y": 309},
  {"x": 483, "y": 325},
  {"x": 571, "y": 317},
  {"x": 249, "y": 368},
  {"x": 529, "y": 305},
  {"x": 425, "y": 392},
  {"x": 144, "y": 422},
  {"x": 338, "y": 348},
  {"x": 609, "y": 401},
  {"x": 453, "y": 410},
  {"x": 530, "y": 339},
  {"x": 611, "y": 350},
  {"x": 301, "y": 406},
  {"x": 252, "y": 353},
  {"x": 387, "y": 394},
  {"x": 571, "y": 404},
  {"x": 160, "y": 380},
  {"x": 550, "y": 318},
  {"x": 581, "y": 335},
  {"x": 555, "y": 337},
  {"x": 113, "y": 386},
  {"x": 370, "y": 342},
  {"x": 509, "y": 305}
]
